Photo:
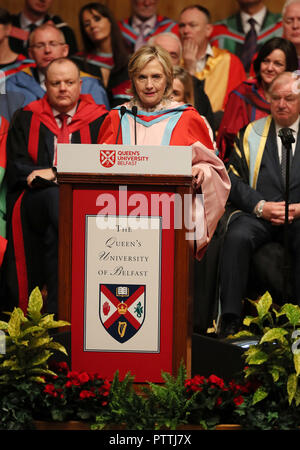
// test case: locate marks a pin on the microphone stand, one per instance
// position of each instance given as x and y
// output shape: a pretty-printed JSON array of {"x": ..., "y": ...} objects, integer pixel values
[
  {"x": 134, "y": 112},
  {"x": 287, "y": 139}
]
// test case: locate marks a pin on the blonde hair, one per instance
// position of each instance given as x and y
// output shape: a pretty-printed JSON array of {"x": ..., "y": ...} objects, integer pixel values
[
  {"x": 142, "y": 57},
  {"x": 182, "y": 75}
]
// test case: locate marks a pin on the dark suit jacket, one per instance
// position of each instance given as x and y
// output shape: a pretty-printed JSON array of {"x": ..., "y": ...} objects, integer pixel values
[
  {"x": 270, "y": 185},
  {"x": 20, "y": 46}
]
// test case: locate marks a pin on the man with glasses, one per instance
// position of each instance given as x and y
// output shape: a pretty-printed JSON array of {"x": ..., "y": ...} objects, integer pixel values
[
  {"x": 47, "y": 43},
  {"x": 34, "y": 14}
]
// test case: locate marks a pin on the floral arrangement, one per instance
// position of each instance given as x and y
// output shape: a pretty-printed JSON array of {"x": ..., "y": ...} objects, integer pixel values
[
  {"x": 73, "y": 395},
  {"x": 217, "y": 400},
  {"x": 265, "y": 395}
]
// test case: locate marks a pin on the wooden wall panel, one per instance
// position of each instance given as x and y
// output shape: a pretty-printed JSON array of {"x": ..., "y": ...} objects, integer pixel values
[{"x": 68, "y": 9}]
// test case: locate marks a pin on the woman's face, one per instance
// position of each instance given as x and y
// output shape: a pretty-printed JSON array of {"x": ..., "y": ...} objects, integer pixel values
[
  {"x": 272, "y": 65},
  {"x": 96, "y": 26},
  {"x": 150, "y": 83},
  {"x": 178, "y": 90}
]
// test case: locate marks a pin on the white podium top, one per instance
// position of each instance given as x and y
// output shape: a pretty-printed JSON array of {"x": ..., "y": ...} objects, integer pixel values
[{"x": 124, "y": 159}]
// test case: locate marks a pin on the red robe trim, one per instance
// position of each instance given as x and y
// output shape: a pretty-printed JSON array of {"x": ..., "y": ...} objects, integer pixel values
[{"x": 87, "y": 112}]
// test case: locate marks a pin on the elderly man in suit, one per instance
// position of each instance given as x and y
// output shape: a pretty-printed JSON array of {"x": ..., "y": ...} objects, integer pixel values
[{"x": 258, "y": 197}]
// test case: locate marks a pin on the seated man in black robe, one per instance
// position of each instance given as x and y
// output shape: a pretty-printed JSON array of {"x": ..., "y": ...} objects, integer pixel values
[{"x": 64, "y": 115}]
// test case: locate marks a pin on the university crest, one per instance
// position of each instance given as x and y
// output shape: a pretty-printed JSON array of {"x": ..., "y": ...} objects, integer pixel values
[
  {"x": 107, "y": 158},
  {"x": 122, "y": 309}
]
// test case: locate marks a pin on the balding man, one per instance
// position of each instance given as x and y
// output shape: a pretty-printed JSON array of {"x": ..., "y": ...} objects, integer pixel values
[
  {"x": 47, "y": 43},
  {"x": 171, "y": 42},
  {"x": 63, "y": 115}
]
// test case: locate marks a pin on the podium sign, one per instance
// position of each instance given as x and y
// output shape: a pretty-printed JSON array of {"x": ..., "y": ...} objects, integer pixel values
[
  {"x": 122, "y": 280},
  {"x": 124, "y": 267},
  {"x": 146, "y": 159}
]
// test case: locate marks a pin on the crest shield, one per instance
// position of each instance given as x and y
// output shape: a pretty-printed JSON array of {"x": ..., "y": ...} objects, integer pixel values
[
  {"x": 107, "y": 158},
  {"x": 122, "y": 309}
]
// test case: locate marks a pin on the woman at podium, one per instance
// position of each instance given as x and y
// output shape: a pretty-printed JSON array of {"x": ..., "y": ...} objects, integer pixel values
[{"x": 152, "y": 117}]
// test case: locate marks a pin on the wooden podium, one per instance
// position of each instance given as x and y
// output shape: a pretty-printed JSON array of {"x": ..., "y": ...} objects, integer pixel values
[{"x": 82, "y": 183}]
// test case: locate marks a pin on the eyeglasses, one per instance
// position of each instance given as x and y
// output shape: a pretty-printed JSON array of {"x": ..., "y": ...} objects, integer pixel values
[{"x": 43, "y": 45}]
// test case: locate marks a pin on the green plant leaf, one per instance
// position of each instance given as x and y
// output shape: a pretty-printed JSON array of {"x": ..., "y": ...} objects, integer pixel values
[
  {"x": 292, "y": 385},
  {"x": 57, "y": 346},
  {"x": 259, "y": 395},
  {"x": 14, "y": 325},
  {"x": 275, "y": 334},
  {"x": 3, "y": 325},
  {"x": 255, "y": 355},
  {"x": 263, "y": 305},
  {"x": 35, "y": 305},
  {"x": 297, "y": 363},
  {"x": 48, "y": 322},
  {"x": 243, "y": 334},
  {"x": 292, "y": 312}
]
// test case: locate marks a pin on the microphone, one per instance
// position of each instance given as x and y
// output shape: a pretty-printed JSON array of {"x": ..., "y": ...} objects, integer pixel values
[
  {"x": 286, "y": 136},
  {"x": 122, "y": 112},
  {"x": 134, "y": 112}
]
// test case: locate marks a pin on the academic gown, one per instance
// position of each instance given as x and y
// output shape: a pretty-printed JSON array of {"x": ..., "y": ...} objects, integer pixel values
[
  {"x": 162, "y": 25},
  {"x": 30, "y": 145},
  {"x": 222, "y": 73},
  {"x": 118, "y": 82},
  {"x": 26, "y": 82},
  {"x": 178, "y": 125},
  {"x": 245, "y": 104},
  {"x": 229, "y": 34},
  {"x": 18, "y": 36}
]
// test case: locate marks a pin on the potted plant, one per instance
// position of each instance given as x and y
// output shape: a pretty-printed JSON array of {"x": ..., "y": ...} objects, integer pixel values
[
  {"x": 274, "y": 364},
  {"x": 71, "y": 396},
  {"x": 24, "y": 361},
  {"x": 177, "y": 403}
]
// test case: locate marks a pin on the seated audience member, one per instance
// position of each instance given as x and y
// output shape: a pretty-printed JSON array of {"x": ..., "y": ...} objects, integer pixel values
[
  {"x": 244, "y": 32},
  {"x": 34, "y": 14},
  {"x": 144, "y": 23},
  {"x": 104, "y": 55},
  {"x": 63, "y": 115},
  {"x": 162, "y": 121},
  {"x": 171, "y": 42},
  {"x": 183, "y": 88},
  {"x": 221, "y": 70},
  {"x": 10, "y": 61},
  {"x": 291, "y": 24},
  {"x": 47, "y": 43},
  {"x": 257, "y": 197},
  {"x": 248, "y": 101}
]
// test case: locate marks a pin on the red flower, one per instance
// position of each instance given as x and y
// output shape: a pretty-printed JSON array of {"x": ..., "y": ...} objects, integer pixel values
[
  {"x": 83, "y": 377},
  {"x": 216, "y": 380},
  {"x": 86, "y": 394},
  {"x": 238, "y": 400},
  {"x": 50, "y": 389},
  {"x": 219, "y": 401}
]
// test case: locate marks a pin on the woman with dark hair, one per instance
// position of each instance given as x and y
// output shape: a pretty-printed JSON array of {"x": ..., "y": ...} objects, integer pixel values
[
  {"x": 248, "y": 101},
  {"x": 104, "y": 54}
]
